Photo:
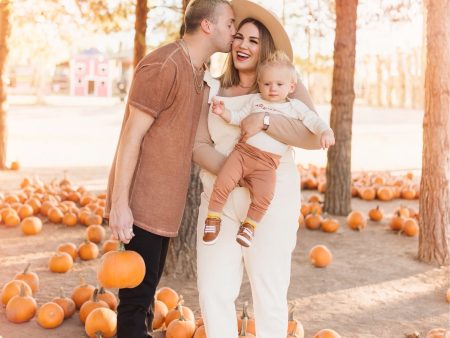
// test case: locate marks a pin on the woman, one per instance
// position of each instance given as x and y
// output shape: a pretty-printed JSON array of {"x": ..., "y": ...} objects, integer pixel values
[{"x": 268, "y": 261}]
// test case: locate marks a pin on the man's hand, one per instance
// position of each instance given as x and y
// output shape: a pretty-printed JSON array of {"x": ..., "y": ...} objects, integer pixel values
[
  {"x": 327, "y": 139},
  {"x": 121, "y": 222},
  {"x": 251, "y": 125}
]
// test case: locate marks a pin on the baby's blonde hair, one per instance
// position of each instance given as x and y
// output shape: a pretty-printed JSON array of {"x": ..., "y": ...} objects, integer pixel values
[{"x": 278, "y": 59}]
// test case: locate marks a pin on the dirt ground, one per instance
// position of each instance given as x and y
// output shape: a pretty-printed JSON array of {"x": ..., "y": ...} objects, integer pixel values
[{"x": 375, "y": 286}]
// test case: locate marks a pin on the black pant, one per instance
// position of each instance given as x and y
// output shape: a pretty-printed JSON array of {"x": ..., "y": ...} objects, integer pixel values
[{"x": 135, "y": 310}]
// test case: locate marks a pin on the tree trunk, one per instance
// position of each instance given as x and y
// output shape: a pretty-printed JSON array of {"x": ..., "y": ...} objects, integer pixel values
[
  {"x": 434, "y": 201},
  {"x": 140, "y": 28},
  {"x": 182, "y": 255},
  {"x": 338, "y": 194},
  {"x": 5, "y": 29}
]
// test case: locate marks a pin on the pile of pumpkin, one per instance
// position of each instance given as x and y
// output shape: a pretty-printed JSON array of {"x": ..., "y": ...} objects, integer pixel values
[
  {"x": 404, "y": 220},
  {"x": 367, "y": 186}
]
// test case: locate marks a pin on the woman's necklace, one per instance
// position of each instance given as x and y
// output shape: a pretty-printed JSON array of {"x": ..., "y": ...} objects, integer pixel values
[{"x": 198, "y": 85}]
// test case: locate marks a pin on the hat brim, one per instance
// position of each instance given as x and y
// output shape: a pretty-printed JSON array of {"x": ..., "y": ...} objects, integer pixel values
[{"x": 247, "y": 9}]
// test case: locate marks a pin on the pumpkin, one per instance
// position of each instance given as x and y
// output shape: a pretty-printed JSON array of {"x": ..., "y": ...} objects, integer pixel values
[
  {"x": 66, "y": 303},
  {"x": 402, "y": 211},
  {"x": 50, "y": 315},
  {"x": 31, "y": 278},
  {"x": 410, "y": 227},
  {"x": 22, "y": 307},
  {"x": 55, "y": 215},
  {"x": 110, "y": 245},
  {"x": 31, "y": 225},
  {"x": 86, "y": 199},
  {"x": 90, "y": 305},
  {"x": 160, "y": 311},
  {"x": 367, "y": 193},
  {"x": 385, "y": 194},
  {"x": 305, "y": 209},
  {"x": 175, "y": 313},
  {"x": 87, "y": 251},
  {"x": 330, "y": 225},
  {"x": 314, "y": 198},
  {"x": 15, "y": 165},
  {"x": 168, "y": 296},
  {"x": 82, "y": 293},
  {"x": 180, "y": 327},
  {"x": 397, "y": 222},
  {"x": 95, "y": 233},
  {"x": 74, "y": 196},
  {"x": 25, "y": 211},
  {"x": 320, "y": 256},
  {"x": 11, "y": 219},
  {"x": 108, "y": 297},
  {"x": 437, "y": 333},
  {"x": 93, "y": 219},
  {"x": 243, "y": 331},
  {"x": 295, "y": 328},
  {"x": 356, "y": 220},
  {"x": 327, "y": 333},
  {"x": 70, "y": 219},
  {"x": 376, "y": 214},
  {"x": 69, "y": 248},
  {"x": 312, "y": 221},
  {"x": 45, "y": 207},
  {"x": 322, "y": 186},
  {"x": 13, "y": 288},
  {"x": 408, "y": 193},
  {"x": 200, "y": 332},
  {"x": 315, "y": 208},
  {"x": 35, "y": 203},
  {"x": 121, "y": 269},
  {"x": 101, "y": 322},
  {"x": 60, "y": 262}
]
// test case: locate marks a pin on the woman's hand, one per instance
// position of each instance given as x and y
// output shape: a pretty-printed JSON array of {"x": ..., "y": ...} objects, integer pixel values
[{"x": 251, "y": 125}]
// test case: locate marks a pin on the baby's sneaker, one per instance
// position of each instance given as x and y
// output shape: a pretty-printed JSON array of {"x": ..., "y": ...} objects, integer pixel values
[
  {"x": 211, "y": 230},
  {"x": 245, "y": 234}
]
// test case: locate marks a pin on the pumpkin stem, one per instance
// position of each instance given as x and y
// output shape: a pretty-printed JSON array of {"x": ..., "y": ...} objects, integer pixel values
[
  {"x": 26, "y": 268},
  {"x": 101, "y": 290},
  {"x": 121, "y": 246},
  {"x": 22, "y": 290},
  {"x": 291, "y": 312},
  {"x": 94, "y": 296},
  {"x": 180, "y": 309},
  {"x": 293, "y": 333},
  {"x": 244, "y": 311},
  {"x": 98, "y": 334}
]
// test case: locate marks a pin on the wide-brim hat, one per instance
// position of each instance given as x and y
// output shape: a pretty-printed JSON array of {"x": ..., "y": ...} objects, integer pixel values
[{"x": 248, "y": 9}]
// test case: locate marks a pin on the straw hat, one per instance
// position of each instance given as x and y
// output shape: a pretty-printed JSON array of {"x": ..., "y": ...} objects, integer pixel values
[{"x": 248, "y": 9}]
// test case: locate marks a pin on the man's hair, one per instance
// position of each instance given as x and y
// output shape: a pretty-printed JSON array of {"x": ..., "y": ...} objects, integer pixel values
[
  {"x": 197, "y": 10},
  {"x": 278, "y": 59}
]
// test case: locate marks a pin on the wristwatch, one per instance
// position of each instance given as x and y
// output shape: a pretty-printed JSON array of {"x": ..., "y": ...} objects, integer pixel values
[{"x": 266, "y": 121}]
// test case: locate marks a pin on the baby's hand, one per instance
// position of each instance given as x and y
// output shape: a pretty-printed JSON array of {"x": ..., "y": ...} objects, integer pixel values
[
  {"x": 218, "y": 107},
  {"x": 327, "y": 139}
]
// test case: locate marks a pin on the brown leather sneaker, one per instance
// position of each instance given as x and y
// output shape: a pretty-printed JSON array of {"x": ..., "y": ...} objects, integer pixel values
[
  {"x": 245, "y": 234},
  {"x": 211, "y": 230}
]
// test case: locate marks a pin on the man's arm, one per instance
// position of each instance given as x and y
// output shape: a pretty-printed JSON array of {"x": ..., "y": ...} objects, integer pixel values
[{"x": 120, "y": 216}]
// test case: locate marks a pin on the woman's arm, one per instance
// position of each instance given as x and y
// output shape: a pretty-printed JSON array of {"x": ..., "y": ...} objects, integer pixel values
[
  {"x": 287, "y": 130},
  {"x": 204, "y": 153}
]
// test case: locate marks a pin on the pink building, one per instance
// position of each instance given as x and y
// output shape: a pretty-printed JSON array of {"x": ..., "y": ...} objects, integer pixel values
[{"x": 91, "y": 74}]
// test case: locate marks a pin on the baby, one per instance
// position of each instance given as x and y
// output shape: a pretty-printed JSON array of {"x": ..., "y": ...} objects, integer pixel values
[{"x": 255, "y": 161}]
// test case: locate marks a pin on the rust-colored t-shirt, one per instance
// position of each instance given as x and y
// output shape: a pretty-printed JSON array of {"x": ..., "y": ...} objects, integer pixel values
[{"x": 163, "y": 86}]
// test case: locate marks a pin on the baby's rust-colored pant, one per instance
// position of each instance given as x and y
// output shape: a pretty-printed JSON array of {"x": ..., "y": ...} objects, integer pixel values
[{"x": 257, "y": 168}]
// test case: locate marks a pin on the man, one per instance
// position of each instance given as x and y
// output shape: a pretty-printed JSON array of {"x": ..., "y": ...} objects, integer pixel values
[{"x": 150, "y": 175}]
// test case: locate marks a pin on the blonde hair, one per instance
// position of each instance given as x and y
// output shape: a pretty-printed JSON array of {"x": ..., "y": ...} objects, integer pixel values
[
  {"x": 197, "y": 10},
  {"x": 230, "y": 76},
  {"x": 278, "y": 59}
]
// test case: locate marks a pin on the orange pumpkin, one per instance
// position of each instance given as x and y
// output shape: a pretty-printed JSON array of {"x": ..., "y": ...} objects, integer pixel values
[
  {"x": 110, "y": 245},
  {"x": 175, "y": 313},
  {"x": 31, "y": 225},
  {"x": 243, "y": 331},
  {"x": 25, "y": 211},
  {"x": 121, "y": 269},
  {"x": 160, "y": 311},
  {"x": 180, "y": 327},
  {"x": 385, "y": 194},
  {"x": 55, "y": 215},
  {"x": 108, "y": 297},
  {"x": 320, "y": 256},
  {"x": 330, "y": 225},
  {"x": 437, "y": 333},
  {"x": 200, "y": 332},
  {"x": 13, "y": 288},
  {"x": 410, "y": 227},
  {"x": 327, "y": 333},
  {"x": 50, "y": 315},
  {"x": 376, "y": 214},
  {"x": 70, "y": 219},
  {"x": 87, "y": 251},
  {"x": 90, "y": 305},
  {"x": 66, "y": 303},
  {"x": 101, "y": 321},
  {"x": 356, "y": 220},
  {"x": 95, "y": 233},
  {"x": 397, "y": 221},
  {"x": 11, "y": 219},
  {"x": 367, "y": 193},
  {"x": 60, "y": 262},
  {"x": 93, "y": 219},
  {"x": 22, "y": 307},
  {"x": 168, "y": 296},
  {"x": 69, "y": 248},
  {"x": 82, "y": 293},
  {"x": 31, "y": 278},
  {"x": 312, "y": 221}
]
